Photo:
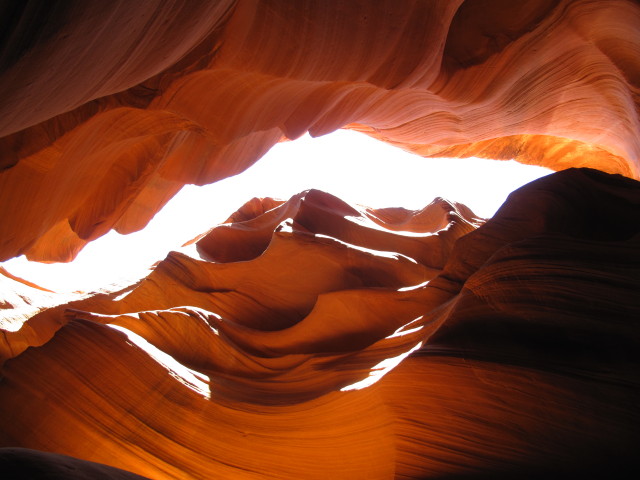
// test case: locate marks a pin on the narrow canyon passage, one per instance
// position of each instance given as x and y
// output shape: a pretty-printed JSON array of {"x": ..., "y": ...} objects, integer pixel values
[{"x": 310, "y": 337}]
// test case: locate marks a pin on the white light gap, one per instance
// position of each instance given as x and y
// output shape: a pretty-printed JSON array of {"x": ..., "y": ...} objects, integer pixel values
[{"x": 347, "y": 164}]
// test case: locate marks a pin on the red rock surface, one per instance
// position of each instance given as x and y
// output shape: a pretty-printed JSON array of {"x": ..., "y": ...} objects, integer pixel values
[
  {"x": 239, "y": 357},
  {"x": 106, "y": 110}
]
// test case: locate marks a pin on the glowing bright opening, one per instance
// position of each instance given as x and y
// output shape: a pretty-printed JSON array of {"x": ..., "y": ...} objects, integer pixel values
[{"x": 350, "y": 165}]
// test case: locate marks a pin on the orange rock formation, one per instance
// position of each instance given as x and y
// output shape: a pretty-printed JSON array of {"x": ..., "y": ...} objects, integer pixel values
[
  {"x": 107, "y": 110},
  {"x": 243, "y": 356},
  {"x": 248, "y": 353}
]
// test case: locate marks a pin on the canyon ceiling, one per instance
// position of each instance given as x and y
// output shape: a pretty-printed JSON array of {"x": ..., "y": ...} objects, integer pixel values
[{"x": 515, "y": 339}]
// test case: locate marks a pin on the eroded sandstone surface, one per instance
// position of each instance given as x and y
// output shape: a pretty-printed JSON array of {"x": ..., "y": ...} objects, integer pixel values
[
  {"x": 264, "y": 349},
  {"x": 107, "y": 109},
  {"x": 254, "y": 352}
]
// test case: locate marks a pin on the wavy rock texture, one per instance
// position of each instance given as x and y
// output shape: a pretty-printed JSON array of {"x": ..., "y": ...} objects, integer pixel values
[
  {"x": 522, "y": 339},
  {"x": 246, "y": 354},
  {"x": 192, "y": 93}
]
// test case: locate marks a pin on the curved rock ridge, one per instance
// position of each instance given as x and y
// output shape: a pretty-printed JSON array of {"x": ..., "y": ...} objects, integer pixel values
[
  {"x": 282, "y": 267},
  {"x": 195, "y": 92},
  {"x": 515, "y": 355},
  {"x": 21, "y": 299},
  {"x": 26, "y": 464}
]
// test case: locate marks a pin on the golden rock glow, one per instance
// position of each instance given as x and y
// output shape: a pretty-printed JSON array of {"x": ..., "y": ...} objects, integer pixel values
[{"x": 243, "y": 346}]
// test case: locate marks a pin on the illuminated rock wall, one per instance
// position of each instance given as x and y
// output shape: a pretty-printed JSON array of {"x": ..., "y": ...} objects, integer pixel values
[
  {"x": 254, "y": 353},
  {"x": 247, "y": 354},
  {"x": 108, "y": 109}
]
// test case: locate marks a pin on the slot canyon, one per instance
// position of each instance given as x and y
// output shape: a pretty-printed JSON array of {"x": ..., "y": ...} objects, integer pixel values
[{"x": 308, "y": 337}]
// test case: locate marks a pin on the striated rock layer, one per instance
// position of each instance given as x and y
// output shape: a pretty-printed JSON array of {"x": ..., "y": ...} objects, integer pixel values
[
  {"x": 260, "y": 351},
  {"x": 107, "y": 109},
  {"x": 265, "y": 348}
]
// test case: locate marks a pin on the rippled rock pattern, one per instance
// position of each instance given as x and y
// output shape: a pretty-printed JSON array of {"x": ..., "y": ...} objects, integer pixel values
[
  {"x": 267, "y": 347},
  {"x": 260, "y": 351},
  {"x": 108, "y": 108}
]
